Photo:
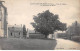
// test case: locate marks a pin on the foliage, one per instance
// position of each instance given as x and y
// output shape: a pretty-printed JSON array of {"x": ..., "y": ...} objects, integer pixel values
[
  {"x": 24, "y": 31},
  {"x": 47, "y": 22}
]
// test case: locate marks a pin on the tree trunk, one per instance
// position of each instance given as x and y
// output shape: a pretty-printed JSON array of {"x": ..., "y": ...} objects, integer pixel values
[{"x": 46, "y": 36}]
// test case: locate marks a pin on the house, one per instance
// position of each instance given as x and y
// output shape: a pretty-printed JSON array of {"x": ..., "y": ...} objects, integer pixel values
[
  {"x": 15, "y": 31},
  {"x": 73, "y": 31}
]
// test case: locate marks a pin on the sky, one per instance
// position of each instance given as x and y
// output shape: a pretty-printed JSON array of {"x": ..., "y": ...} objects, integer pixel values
[{"x": 22, "y": 11}]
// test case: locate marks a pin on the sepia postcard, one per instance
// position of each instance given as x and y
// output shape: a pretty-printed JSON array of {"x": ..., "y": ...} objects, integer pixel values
[{"x": 39, "y": 24}]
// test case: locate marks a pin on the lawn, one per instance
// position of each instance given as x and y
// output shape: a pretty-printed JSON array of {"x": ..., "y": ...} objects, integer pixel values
[{"x": 27, "y": 44}]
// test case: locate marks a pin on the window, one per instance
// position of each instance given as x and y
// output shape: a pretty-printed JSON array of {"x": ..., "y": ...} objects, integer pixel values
[
  {"x": 19, "y": 33},
  {"x": 11, "y": 33}
]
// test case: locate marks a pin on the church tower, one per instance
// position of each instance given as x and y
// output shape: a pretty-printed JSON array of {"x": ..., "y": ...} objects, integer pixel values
[{"x": 3, "y": 20}]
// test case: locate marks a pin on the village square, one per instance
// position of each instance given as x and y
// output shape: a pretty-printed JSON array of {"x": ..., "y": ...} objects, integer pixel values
[{"x": 45, "y": 35}]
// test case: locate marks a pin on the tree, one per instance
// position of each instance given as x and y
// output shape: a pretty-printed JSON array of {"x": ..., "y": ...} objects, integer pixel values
[
  {"x": 47, "y": 23},
  {"x": 24, "y": 31}
]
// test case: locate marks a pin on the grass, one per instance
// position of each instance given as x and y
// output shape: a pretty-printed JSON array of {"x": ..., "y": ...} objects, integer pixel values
[{"x": 27, "y": 44}]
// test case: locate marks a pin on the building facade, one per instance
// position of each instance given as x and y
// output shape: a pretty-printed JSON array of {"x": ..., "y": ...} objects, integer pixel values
[
  {"x": 15, "y": 31},
  {"x": 3, "y": 20},
  {"x": 34, "y": 34},
  {"x": 73, "y": 30}
]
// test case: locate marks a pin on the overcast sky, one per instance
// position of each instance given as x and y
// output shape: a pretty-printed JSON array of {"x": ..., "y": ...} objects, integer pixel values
[{"x": 22, "y": 11}]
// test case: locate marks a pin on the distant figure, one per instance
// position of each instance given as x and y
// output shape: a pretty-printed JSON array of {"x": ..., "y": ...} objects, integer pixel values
[{"x": 53, "y": 36}]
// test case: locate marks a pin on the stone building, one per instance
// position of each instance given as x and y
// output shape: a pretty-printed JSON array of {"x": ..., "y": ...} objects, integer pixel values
[
  {"x": 34, "y": 34},
  {"x": 15, "y": 31},
  {"x": 3, "y": 20},
  {"x": 73, "y": 30}
]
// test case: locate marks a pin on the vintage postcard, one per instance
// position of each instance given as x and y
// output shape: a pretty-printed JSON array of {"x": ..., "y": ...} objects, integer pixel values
[{"x": 39, "y": 24}]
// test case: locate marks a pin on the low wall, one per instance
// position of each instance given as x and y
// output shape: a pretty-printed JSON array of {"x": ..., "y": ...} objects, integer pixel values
[{"x": 36, "y": 36}]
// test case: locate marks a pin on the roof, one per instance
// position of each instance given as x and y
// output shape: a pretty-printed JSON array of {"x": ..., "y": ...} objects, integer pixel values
[{"x": 15, "y": 28}]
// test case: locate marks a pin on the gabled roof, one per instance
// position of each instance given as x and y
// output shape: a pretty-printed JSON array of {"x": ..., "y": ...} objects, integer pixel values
[{"x": 15, "y": 28}]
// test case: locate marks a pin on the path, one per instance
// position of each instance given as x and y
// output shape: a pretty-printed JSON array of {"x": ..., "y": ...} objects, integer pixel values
[{"x": 63, "y": 44}]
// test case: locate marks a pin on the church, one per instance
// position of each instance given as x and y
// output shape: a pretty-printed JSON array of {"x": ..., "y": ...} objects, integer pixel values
[{"x": 3, "y": 20}]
